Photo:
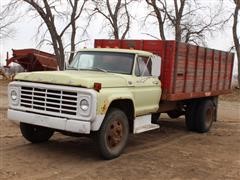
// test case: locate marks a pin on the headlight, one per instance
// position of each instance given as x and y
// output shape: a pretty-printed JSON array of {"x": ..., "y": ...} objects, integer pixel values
[
  {"x": 84, "y": 104},
  {"x": 14, "y": 95}
]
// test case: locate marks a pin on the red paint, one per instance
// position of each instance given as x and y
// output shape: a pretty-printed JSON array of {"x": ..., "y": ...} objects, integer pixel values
[{"x": 188, "y": 71}]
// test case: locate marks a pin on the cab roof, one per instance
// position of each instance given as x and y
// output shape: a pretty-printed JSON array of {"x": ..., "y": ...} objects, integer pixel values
[{"x": 129, "y": 51}]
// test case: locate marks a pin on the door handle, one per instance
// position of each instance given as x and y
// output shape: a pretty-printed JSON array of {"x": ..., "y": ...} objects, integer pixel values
[{"x": 155, "y": 82}]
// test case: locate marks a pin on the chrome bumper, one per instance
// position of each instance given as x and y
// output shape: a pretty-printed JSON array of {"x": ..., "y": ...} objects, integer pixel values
[{"x": 64, "y": 124}]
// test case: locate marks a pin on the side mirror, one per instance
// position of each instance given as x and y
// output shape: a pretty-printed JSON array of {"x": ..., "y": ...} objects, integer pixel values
[{"x": 156, "y": 65}]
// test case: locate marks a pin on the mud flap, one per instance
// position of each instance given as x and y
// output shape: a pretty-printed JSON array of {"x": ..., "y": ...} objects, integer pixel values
[{"x": 143, "y": 123}]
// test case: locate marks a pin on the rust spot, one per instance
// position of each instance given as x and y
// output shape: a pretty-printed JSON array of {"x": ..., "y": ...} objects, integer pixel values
[{"x": 104, "y": 107}]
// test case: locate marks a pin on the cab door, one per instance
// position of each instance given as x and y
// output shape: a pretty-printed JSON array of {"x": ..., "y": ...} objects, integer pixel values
[{"x": 147, "y": 88}]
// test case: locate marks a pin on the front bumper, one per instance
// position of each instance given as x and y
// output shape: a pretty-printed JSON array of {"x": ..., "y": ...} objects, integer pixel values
[{"x": 70, "y": 125}]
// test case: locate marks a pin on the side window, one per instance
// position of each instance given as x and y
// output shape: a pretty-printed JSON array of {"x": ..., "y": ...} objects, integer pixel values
[
  {"x": 156, "y": 66},
  {"x": 143, "y": 66}
]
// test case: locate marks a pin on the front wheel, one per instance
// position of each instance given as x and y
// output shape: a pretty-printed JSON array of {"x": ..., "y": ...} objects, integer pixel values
[
  {"x": 34, "y": 133},
  {"x": 113, "y": 134}
]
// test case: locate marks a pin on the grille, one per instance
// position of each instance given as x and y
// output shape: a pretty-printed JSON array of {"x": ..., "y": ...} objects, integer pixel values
[{"x": 49, "y": 100}]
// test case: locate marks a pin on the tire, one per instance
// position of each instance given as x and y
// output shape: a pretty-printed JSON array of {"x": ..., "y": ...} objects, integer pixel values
[
  {"x": 190, "y": 116},
  {"x": 155, "y": 118},
  {"x": 35, "y": 134},
  {"x": 215, "y": 103},
  {"x": 113, "y": 134},
  {"x": 174, "y": 114},
  {"x": 205, "y": 116}
]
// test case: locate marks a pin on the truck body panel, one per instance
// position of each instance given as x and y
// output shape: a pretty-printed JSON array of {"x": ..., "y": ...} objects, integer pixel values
[{"x": 187, "y": 71}]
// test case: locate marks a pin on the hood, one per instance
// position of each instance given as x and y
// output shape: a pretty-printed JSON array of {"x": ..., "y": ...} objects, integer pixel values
[{"x": 75, "y": 78}]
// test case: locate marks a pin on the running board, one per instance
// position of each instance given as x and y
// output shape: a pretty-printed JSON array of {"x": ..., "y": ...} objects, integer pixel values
[{"x": 143, "y": 123}]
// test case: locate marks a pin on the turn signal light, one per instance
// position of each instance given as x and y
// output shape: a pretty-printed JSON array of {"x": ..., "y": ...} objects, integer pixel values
[{"x": 97, "y": 86}]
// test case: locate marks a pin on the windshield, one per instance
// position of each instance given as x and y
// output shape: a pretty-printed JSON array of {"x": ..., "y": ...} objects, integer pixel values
[{"x": 103, "y": 61}]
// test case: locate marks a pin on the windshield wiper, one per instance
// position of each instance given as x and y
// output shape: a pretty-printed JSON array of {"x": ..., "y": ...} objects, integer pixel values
[
  {"x": 100, "y": 69},
  {"x": 72, "y": 68},
  {"x": 96, "y": 68}
]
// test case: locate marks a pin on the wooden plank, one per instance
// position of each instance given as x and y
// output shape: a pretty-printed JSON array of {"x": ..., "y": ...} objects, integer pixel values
[
  {"x": 185, "y": 68},
  {"x": 225, "y": 71},
  {"x": 232, "y": 62},
  {"x": 180, "y": 96},
  {"x": 175, "y": 67},
  {"x": 219, "y": 69},
  {"x": 204, "y": 69},
  {"x": 195, "y": 69},
  {"x": 212, "y": 68}
]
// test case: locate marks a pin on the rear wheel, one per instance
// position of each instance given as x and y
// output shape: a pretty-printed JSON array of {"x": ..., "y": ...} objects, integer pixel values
[
  {"x": 205, "y": 116},
  {"x": 113, "y": 134},
  {"x": 190, "y": 116},
  {"x": 35, "y": 134}
]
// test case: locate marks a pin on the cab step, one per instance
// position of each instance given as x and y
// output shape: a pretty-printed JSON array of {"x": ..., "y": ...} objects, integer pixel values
[{"x": 143, "y": 123}]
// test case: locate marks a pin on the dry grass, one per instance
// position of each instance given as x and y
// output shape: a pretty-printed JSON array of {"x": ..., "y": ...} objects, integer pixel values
[{"x": 3, "y": 84}]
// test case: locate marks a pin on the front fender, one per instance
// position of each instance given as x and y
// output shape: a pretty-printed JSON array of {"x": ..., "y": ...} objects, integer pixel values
[
  {"x": 104, "y": 99},
  {"x": 108, "y": 95}
]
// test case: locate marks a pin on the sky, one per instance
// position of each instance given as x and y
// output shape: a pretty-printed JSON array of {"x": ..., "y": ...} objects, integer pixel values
[{"x": 25, "y": 31}]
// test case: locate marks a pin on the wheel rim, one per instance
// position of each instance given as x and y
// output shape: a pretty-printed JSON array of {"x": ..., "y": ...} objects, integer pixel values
[
  {"x": 114, "y": 134},
  {"x": 209, "y": 118}
]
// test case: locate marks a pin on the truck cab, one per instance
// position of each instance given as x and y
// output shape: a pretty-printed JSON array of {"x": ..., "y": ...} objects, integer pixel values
[{"x": 106, "y": 92}]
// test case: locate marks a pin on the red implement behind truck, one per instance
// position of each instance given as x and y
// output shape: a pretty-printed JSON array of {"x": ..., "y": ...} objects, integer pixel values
[{"x": 33, "y": 60}]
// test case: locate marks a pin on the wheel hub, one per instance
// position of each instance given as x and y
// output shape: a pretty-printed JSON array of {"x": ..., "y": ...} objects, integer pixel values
[
  {"x": 209, "y": 117},
  {"x": 115, "y": 133}
]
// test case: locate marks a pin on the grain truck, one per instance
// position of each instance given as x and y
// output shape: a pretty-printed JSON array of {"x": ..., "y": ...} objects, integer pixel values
[{"x": 121, "y": 87}]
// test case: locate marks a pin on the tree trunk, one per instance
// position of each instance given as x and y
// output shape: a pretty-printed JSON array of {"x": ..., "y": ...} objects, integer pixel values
[
  {"x": 235, "y": 37},
  {"x": 47, "y": 13}
]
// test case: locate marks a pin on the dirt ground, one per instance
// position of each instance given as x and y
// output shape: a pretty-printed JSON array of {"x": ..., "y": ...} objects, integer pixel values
[{"x": 170, "y": 152}]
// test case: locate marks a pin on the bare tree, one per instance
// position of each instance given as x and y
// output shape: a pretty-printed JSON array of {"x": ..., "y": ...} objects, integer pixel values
[
  {"x": 48, "y": 11},
  {"x": 158, "y": 12},
  {"x": 182, "y": 17},
  {"x": 117, "y": 15},
  {"x": 6, "y": 22},
  {"x": 176, "y": 17},
  {"x": 235, "y": 34}
]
